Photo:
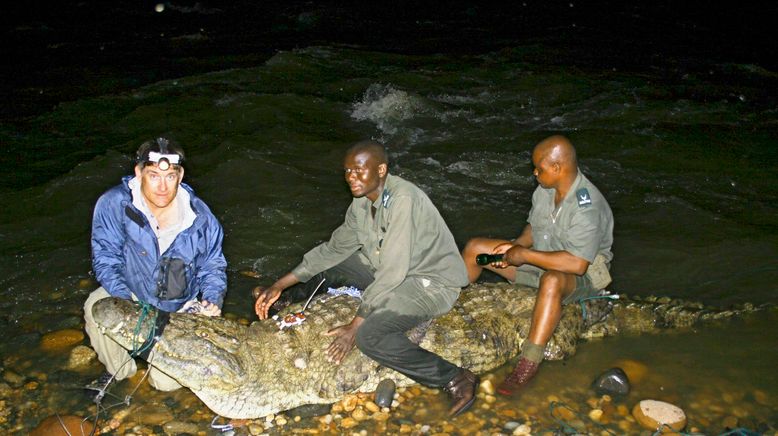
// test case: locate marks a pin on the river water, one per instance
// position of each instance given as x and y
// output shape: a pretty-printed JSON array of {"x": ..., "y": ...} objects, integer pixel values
[{"x": 686, "y": 157}]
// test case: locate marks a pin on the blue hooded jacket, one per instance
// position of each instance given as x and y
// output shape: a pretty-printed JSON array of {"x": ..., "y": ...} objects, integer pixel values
[{"x": 125, "y": 253}]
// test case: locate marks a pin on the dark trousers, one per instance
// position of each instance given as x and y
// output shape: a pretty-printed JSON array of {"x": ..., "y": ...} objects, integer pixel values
[{"x": 383, "y": 334}]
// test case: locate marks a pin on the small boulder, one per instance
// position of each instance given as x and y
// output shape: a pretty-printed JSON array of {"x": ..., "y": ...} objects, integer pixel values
[
  {"x": 309, "y": 410},
  {"x": 61, "y": 339},
  {"x": 384, "y": 393},
  {"x": 659, "y": 416},
  {"x": 14, "y": 379},
  {"x": 80, "y": 358},
  {"x": 180, "y": 427},
  {"x": 87, "y": 283},
  {"x": 612, "y": 382},
  {"x": 64, "y": 425},
  {"x": 487, "y": 387}
]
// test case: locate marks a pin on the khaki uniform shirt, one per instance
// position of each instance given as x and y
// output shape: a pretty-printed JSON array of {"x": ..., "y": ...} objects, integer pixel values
[
  {"x": 407, "y": 239},
  {"x": 582, "y": 225}
]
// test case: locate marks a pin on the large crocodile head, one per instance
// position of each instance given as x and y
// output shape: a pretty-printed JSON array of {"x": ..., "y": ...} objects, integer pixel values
[{"x": 205, "y": 351}]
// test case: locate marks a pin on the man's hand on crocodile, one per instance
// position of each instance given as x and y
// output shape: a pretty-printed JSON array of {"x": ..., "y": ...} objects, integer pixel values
[
  {"x": 266, "y": 299},
  {"x": 210, "y": 309},
  {"x": 345, "y": 339}
]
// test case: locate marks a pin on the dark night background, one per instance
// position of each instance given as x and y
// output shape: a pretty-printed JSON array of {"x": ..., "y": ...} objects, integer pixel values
[{"x": 59, "y": 51}]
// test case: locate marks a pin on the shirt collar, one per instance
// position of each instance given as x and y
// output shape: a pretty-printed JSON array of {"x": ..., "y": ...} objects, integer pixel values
[
  {"x": 386, "y": 193},
  {"x": 186, "y": 215}
]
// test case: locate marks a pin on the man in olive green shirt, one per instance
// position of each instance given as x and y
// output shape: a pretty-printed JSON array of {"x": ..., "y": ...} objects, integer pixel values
[
  {"x": 564, "y": 250},
  {"x": 395, "y": 245}
]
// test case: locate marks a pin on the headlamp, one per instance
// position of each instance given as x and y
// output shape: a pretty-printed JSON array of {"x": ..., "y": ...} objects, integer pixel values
[{"x": 163, "y": 161}]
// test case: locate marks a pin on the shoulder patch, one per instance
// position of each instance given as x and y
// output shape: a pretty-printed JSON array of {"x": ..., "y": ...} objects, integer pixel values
[
  {"x": 583, "y": 197},
  {"x": 385, "y": 198}
]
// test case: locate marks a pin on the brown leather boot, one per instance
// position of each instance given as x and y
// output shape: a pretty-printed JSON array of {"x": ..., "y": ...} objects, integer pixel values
[
  {"x": 462, "y": 390},
  {"x": 521, "y": 375}
]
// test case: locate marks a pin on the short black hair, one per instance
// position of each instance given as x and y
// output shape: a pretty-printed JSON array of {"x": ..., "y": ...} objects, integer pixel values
[{"x": 375, "y": 148}]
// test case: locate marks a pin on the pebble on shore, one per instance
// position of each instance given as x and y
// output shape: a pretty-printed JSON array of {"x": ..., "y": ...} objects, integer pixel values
[{"x": 659, "y": 415}]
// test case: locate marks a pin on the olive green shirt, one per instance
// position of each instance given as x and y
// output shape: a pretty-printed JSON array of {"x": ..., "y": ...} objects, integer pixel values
[
  {"x": 582, "y": 225},
  {"x": 407, "y": 239}
]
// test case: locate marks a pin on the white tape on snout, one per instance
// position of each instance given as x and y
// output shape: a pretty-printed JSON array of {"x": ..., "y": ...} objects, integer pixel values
[{"x": 118, "y": 327}]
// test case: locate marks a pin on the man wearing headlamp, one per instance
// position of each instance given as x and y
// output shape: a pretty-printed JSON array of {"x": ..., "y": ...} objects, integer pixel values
[{"x": 154, "y": 241}]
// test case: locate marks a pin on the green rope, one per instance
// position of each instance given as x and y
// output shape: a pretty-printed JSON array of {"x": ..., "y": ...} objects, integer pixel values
[{"x": 144, "y": 311}]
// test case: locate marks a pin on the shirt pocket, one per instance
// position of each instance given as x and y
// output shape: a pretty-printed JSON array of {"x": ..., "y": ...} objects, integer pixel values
[{"x": 541, "y": 232}]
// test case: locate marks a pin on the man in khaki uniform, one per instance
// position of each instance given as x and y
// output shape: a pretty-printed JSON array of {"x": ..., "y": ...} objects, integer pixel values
[
  {"x": 395, "y": 245},
  {"x": 564, "y": 250}
]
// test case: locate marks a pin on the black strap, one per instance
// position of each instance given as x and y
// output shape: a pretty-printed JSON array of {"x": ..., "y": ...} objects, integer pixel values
[{"x": 135, "y": 216}]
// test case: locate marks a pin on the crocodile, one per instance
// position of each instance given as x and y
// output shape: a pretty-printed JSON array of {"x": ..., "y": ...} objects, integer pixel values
[{"x": 250, "y": 371}]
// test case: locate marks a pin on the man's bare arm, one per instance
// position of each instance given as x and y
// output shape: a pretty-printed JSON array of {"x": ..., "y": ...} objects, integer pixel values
[{"x": 548, "y": 260}]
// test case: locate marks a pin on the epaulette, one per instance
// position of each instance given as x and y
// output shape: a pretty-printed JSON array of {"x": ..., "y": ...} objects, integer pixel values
[{"x": 583, "y": 197}]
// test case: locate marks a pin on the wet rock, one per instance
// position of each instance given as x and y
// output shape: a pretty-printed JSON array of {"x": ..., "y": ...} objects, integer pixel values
[
  {"x": 510, "y": 426},
  {"x": 372, "y": 407},
  {"x": 157, "y": 417},
  {"x": 81, "y": 357},
  {"x": 612, "y": 382},
  {"x": 348, "y": 422},
  {"x": 309, "y": 410},
  {"x": 730, "y": 422},
  {"x": 5, "y": 390},
  {"x": 252, "y": 274},
  {"x": 659, "y": 415},
  {"x": 87, "y": 284},
  {"x": 487, "y": 387},
  {"x": 350, "y": 403},
  {"x": 13, "y": 379},
  {"x": 384, "y": 393},
  {"x": 239, "y": 423},
  {"x": 761, "y": 397},
  {"x": 61, "y": 339},
  {"x": 523, "y": 430},
  {"x": 63, "y": 425},
  {"x": 179, "y": 427}
]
